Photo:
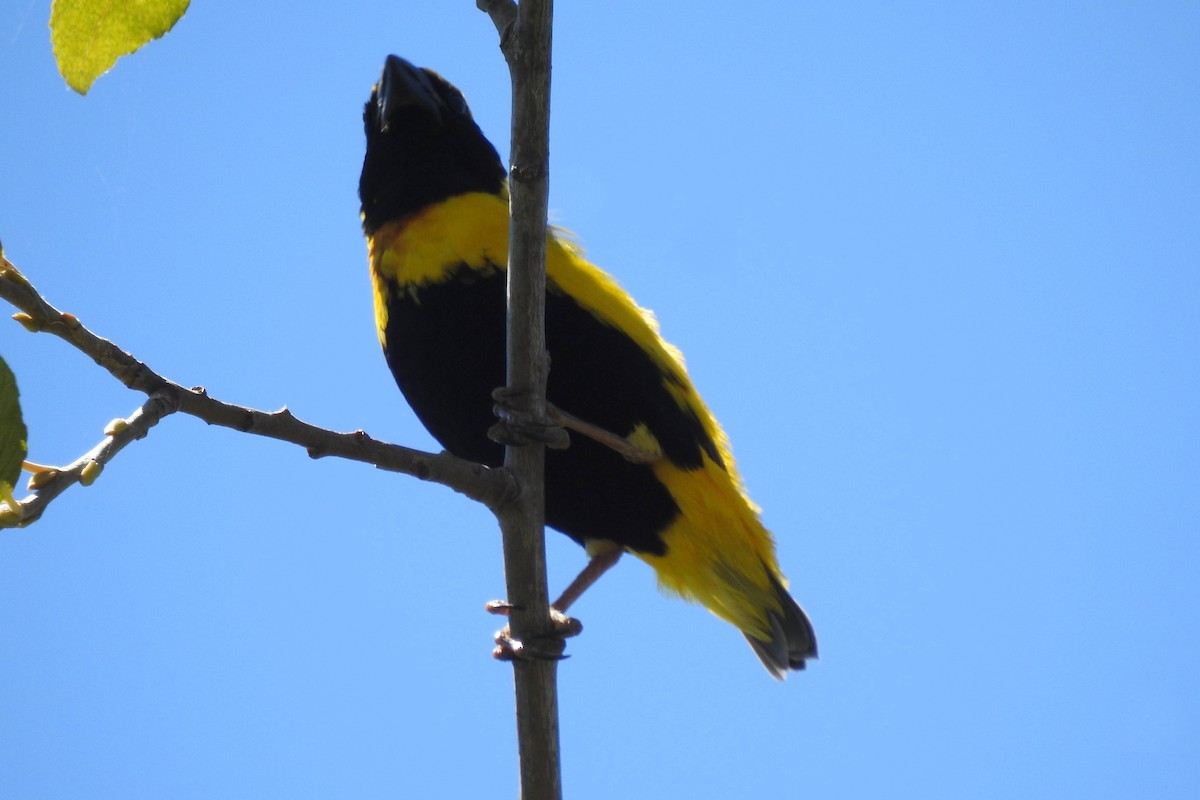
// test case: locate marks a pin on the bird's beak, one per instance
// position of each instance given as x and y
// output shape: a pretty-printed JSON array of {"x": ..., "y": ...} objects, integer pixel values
[{"x": 403, "y": 85}]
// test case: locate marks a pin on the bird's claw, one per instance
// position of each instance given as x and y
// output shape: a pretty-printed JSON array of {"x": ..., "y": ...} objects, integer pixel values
[
  {"x": 546, "y": 647},
  {"x": 518, "y": 428},
  {"x": 498, "y": 607}
]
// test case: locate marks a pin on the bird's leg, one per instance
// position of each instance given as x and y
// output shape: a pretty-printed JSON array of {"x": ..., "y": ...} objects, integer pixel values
[
  {"x": 520, "y": 428},
  {"x": 562, "y": 627},
  {"x": 601, "y": 562},
  {"x": 638, "y": 455}
]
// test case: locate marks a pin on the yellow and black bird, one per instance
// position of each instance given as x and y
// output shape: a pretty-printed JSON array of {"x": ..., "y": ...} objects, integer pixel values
[{"x": 435, "y": 212}]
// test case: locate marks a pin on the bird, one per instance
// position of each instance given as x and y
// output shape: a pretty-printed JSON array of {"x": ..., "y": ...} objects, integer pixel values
[{"x": 653, "y": 473}]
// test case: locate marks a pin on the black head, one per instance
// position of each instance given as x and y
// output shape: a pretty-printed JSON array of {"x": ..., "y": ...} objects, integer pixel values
[{"x": 422, "y": 146}]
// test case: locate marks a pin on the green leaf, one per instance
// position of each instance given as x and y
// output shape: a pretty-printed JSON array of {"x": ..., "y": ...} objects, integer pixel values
[
  {"x": 90, "y": 35},
  {"x": 12, "y": 432}
]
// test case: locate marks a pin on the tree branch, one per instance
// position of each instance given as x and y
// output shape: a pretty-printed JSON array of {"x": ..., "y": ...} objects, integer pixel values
[
  {"x": 495, "y": 488},
  {"x": 525, "y": 38}
]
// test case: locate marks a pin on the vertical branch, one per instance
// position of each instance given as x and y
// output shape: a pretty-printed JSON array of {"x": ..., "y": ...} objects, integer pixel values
[{"x": 526, "y": 46}]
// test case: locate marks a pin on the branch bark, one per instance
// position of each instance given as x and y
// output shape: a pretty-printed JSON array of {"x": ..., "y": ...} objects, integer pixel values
[
  {"x": 495, "y": 488},
  {"x": 525, "y": 39}
]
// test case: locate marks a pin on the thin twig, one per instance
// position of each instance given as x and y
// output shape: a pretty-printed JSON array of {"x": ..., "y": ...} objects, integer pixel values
[
  {"x": 49, "y": 483},
  {"x": 503, "y": 14},
  {"x": 492, "y": 487}
]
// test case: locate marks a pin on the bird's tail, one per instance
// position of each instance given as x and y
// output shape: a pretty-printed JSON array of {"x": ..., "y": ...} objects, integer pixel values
[
  {"x": 720, "y": 555},
  {"x": 792, "y": 639}
]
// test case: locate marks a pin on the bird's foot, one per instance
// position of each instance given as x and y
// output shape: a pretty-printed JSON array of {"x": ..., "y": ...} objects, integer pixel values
[
  {"x": 518, "y": 428},
  {"x": 546, "y": 647}
]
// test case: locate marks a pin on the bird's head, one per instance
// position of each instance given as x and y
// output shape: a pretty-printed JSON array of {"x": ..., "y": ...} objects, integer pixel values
[{"x": 423, "y": 146}]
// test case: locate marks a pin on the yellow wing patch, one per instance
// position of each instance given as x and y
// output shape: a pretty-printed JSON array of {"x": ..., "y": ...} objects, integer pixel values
[{"x": 643, "y": 439}]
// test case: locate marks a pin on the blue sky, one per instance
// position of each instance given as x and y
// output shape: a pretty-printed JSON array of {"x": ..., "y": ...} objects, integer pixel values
[{"x": 935, "y": 267}]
